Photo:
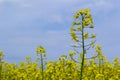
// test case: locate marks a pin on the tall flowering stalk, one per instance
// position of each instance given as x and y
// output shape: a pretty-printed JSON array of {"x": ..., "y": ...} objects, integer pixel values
[
  {"x": 79, "y": 33},
  {"x": 41, "y": 53}
]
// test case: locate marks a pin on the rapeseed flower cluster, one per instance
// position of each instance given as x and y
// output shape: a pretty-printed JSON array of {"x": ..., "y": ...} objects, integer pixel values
[{"x": 62, "y": 69}]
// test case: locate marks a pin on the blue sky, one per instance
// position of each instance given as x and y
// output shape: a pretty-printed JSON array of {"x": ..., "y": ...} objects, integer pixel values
[{"x": 26, "y": 24}]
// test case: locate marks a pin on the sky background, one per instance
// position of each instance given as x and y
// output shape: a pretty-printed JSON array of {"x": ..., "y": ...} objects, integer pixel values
[{"x": 26, "y": 24}]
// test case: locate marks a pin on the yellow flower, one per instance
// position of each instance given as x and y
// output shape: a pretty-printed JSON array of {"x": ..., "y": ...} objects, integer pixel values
[
  {"x": 86, "y": 22},
  {"x": 86, "y": 11},
  {"x": 28, "y": 57},
  {"x": 76, "y": 16},
  {"x": 75, "y": 23},
  {"x": 74, "y": 37},
  {"x": 99, "y": 77},
  {"x": 93, "y": 36},
  {"x": 63, "y": 57},
  {"x": 71, "y": 53},
  {"x": 91, "y": 26},
  {"x": 79, "y": 28},
  {"x": 98, "y": 47},
  {"x": 85, "y": 35},
  {"x": 40, "y": 50}
]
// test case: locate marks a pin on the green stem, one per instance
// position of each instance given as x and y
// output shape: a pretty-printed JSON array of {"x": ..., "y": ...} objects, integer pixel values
[
  {"x": 83, "y": 49},
  {"x": 42, "y": 66},
  {"x": 99, "y": 64},
  {"x": 0, "y": 70}
]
